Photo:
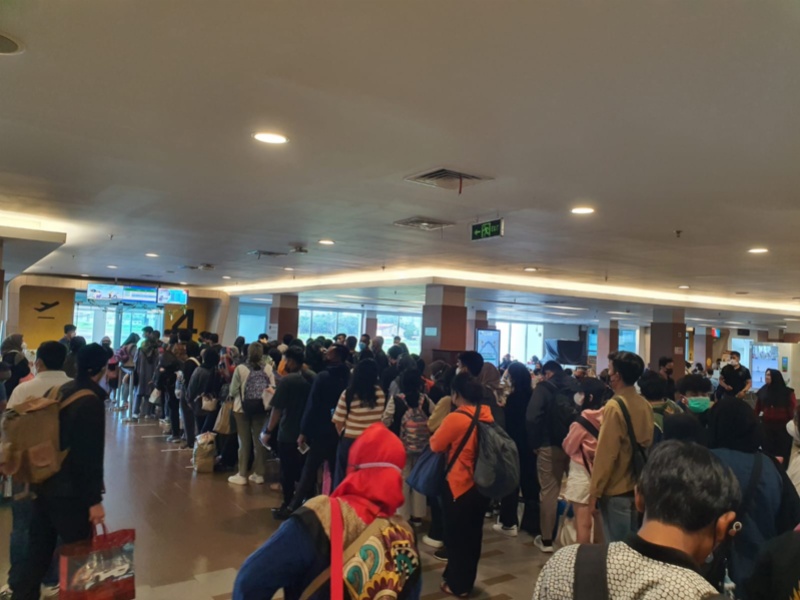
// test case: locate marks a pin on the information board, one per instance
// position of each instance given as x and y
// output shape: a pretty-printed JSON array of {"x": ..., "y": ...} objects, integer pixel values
[
  {"x": 487, "y": 344},
  {"x": 124, "y": 293},
  {"x": 172, "y": 296}
]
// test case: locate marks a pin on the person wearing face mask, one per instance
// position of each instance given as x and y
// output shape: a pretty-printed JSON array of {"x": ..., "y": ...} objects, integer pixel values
[
  {"x": 688, "y": 498},
  {"x": 773, "y": 507},
  {"x": 614, "y": 474},
  {"x": 694, "y": 393},
  {"x": 363, "y": 343},
  {"x": 735, "y": 379},
  {"x": 581, "y": 446},
  {"x": 665, "y": 369}
]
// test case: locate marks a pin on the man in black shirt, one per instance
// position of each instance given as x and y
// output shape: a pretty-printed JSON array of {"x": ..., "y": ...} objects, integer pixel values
[
  {"x": 735, "y": 379},
  {"x": 316, "y": 428},
  {"x": 666, "y": 367}
]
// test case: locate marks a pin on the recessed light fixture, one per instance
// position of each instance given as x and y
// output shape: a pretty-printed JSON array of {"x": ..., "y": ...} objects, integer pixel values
[
  {"x": 151, "y": 255},
  {"x": 758, "y": 250},
  {"x": 270, "y": 138},
  {"x": 112, "y": 266},
  {"x": 261, "y": 299},
  {"x": 582, "y": 210},
  {"x": 683, "y": 287},
  {"x": 288, "y": 268},
  {"x": 530, "y": 269},
  {"x": 559, "y": 307},
  {"x": 327, "y": 242},
  {"x": 226, "y": 276},
  {"x": 733, "y": 323},
  {"x": 619, "y": 312},
  {"x": 183, "y": 283},
  {"x": 84, "y": 274}
]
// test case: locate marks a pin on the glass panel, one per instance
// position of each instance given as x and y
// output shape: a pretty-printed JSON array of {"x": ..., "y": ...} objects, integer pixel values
[
  {"x": 535, "y": 343},
  {"x": 410, "y": 329},
  {"x": 304, "y": 327},
  {"x": 349, "y": 323},
  {"x": 505, "y": 337},
  {"x": 627, "y": 340},
  {"x": 323, "y": 322},
  {"x": 136, "y": 319},
  {"x": 388, "y": 328},
  {"x": 84, "y": 321},
  {"x": 518, "y": 341}
]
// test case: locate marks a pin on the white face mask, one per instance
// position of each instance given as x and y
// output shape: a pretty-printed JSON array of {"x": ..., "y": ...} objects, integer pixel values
[
  {"x": 733, "y": 362},
  {"x": 578, "y": 398}
]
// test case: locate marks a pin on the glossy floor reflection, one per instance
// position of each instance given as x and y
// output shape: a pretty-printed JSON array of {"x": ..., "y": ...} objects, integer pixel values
[{"x": 194, "y": 530}]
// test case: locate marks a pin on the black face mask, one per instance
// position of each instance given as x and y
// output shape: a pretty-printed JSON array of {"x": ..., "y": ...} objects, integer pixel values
[{"x": 668, "y": 372}]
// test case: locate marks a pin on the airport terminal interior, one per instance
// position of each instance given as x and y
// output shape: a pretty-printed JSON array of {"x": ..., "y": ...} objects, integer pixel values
[{"x": 536, "y": 182}]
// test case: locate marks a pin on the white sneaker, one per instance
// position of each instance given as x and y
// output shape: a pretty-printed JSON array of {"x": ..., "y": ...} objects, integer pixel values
[
  {"x": 256, "y": 479},
  {"x": 537, "y": 541},
  {"x": 429, "y": 541},
  {"x": 239, "y": 480},
  {"x": 512, "y": 531},
  {"x": 49, "y": 591}
]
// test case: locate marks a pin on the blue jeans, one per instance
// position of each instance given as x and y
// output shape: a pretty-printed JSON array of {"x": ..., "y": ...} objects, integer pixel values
[
  {"x": 21, "y": 513},
  {"x": 620, "y": 517},
  {"x": 342, "y": 454}
]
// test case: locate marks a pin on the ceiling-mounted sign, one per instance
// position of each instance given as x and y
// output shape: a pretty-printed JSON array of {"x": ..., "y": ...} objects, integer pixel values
[{"x": 488, "y": 229}]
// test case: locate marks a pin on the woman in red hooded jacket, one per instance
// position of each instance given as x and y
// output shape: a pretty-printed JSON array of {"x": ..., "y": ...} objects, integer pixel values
[{"x": 300, "y": 551}]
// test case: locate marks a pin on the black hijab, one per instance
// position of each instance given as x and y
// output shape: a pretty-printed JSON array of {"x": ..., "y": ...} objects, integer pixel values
[
  {"x": 776, "y": 393},
  {"x": 734, "y": 426}
]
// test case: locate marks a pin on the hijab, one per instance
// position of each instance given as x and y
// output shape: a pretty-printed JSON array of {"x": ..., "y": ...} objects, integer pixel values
[
  {"x": 735, "y": 426},
  {"x": 374, "y": 483},
  {"x": 776, "y": 393},
  {"x": 12, "y": 343}
]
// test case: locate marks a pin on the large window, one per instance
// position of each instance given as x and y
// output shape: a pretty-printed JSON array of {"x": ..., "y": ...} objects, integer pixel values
[
  {"x": 408, "y": 327},
  {"x": 627, "y": 341},
  {"x": 314, "y": 323},
  {"x": 252, "y": 320},
  {"x": 521, "y": 340}
]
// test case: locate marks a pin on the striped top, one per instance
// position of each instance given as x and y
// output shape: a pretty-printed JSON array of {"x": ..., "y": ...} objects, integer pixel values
[{"x": 360, "y": 417}]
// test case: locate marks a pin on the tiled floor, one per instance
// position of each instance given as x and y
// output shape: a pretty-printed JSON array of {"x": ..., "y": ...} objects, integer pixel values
[{"x": 194, "y": 530}]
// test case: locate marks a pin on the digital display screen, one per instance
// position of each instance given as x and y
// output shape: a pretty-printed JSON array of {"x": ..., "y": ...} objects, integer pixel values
[
  {"x": 172, "y": 296},
  {"x": 487, "y": 342},
  {"x": 125, "y": 293},
  {"x": 102, "y": 291}
]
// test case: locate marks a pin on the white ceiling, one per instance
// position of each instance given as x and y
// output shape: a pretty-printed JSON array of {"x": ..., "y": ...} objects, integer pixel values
[{"x": 135, "y": 120}]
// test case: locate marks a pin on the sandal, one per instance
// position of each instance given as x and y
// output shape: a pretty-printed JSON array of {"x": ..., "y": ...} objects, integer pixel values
[{"x": 446, "y": 590}]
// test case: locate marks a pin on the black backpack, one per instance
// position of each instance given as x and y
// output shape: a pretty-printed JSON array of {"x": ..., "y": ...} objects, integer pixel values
[
  {"x": 639, "y": 453},
  {"x": 562, "y": 416}
]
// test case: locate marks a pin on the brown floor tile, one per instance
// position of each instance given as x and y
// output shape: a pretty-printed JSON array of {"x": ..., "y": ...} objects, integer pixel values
[{"x": 498, "y": 579}]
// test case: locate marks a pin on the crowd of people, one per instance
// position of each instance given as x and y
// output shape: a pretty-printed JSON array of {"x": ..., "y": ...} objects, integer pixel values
[{"x": 679, "y": 487}]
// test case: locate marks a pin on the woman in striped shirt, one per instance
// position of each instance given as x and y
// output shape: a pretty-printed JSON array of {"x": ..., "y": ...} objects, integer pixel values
[{"x": 360, "y": 405}]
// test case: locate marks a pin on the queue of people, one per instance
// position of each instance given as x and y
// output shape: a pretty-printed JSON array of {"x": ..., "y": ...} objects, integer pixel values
[{"x": 677, "y": 491}]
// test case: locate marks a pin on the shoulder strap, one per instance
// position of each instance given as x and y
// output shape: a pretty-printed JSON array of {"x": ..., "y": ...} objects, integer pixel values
[
  {"x": 472, "y": 426},
  {"x": 749, "y": 494},
  {"x": 628, "y": 422},
  {"x": 588, "y": 426},
  {"x": 76, "y": 396},
  {"x": 351, "y": 550},
  {"x": 591, "y": 573}
]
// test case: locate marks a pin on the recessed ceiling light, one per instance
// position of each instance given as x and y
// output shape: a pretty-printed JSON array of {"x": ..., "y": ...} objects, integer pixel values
[
  {"x": 84, "y": 274},
  {"x": 561, "y": 314},
  {"x": 226, "y": 276},
  {"x": 288, "y": 268},
  {"x": 618, "y": 312},
  {"x": 183, "y": 283},
  {"x": 530, "y": 269},
  {"x": 151, "y": 255},
  {"x": 582, "y": 210},
  {"x": 794, "y": 320},
  {"x": 733, "y": 323},
  {"x": 261, "y": 299},
  {"x": 327, "y": 242},
  {"x": 112, "y": 266},
  {"x": 270, "y": 138},
  {"x": 570, "y": 308},
  {"x": 758, "y": 250},
  {"x": 683, "y": 287}
]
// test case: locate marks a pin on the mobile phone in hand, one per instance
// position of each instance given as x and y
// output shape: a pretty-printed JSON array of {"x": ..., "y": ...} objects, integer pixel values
[{"x": 303, "y": 448}]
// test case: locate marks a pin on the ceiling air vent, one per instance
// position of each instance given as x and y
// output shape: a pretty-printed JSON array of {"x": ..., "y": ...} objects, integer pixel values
[
  {"x": 447, "y": 179},
  {"x": 202, "y": 267},
  {"x": 259, "y": 253},
  {"x": 424, "y": 223}
]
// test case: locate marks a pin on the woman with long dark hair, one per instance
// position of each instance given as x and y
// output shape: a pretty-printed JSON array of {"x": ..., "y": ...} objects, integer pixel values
[
  {"x": 515, "y": 409},
  {"x": 125, "y": 357},
  {"x": 360, "y": 405},
  {"x": 775, "y": 405},
  {"x": 206, "y": 379}
]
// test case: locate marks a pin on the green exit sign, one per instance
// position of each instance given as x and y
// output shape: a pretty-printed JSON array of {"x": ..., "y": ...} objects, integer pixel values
[{"x": 489, "y": 229}]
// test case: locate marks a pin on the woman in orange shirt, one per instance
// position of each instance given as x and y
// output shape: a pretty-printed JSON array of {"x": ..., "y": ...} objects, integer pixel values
[{"x": 464, "y": 507}]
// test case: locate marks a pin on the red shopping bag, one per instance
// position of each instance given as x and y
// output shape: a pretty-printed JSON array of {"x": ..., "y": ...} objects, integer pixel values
[{"x": 98, "y": 569}]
